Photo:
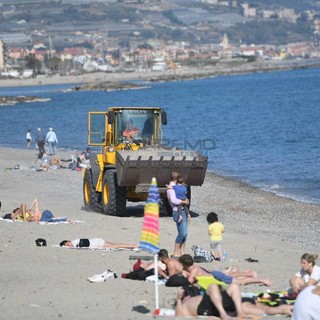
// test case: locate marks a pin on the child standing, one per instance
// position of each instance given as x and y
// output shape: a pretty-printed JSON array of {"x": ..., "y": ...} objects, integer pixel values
[
  {"x": 215, "y": 231},
  {"x": 181, "y": 194}
]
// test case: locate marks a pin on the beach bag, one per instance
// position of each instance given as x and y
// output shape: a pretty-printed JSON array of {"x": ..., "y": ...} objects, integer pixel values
[{"x": 201, "y": 255}]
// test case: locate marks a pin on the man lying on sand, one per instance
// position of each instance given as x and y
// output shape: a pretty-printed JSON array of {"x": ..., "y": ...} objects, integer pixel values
[
  {"x": 95, "y": 243},
  {"x": 193, "y": 270},
  {"x": 220, "y": 304}
]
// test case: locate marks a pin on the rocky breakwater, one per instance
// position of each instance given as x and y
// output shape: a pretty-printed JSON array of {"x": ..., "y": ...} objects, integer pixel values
[
  {"x": 107, "y": 86},
  {"x": 12, "y": 100}
]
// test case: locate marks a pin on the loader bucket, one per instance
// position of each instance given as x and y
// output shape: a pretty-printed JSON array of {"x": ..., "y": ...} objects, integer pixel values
[{"x": 138, "y": 167}]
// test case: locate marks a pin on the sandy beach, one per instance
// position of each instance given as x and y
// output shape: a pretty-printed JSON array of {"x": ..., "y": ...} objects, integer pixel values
[{"x": 51, "y": 282}]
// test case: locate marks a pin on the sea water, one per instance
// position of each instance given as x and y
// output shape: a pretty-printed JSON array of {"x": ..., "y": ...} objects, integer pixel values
[{"x": 260, "y": 128}]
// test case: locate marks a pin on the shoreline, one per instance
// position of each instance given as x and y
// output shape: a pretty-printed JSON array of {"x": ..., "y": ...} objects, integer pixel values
[
  {"x": 258, "y": 224},
  {"x": 184, "y": 73},
  {"x": 209, "y": 171}
]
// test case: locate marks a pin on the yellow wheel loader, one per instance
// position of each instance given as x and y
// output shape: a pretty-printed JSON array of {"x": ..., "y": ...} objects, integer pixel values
[{"x": 131, "y": 154}]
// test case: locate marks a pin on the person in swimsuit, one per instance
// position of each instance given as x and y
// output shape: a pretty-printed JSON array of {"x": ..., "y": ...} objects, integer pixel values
[
  {"x": 224, "y": 304},
  {"x": 34, "y": 214},
  {"x": 245, "y": 277}
]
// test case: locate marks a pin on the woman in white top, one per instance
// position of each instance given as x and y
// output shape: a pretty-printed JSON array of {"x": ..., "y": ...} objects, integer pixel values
[
  {"x": 95, "y": 243},
  {"x": 308, "y": 275}
]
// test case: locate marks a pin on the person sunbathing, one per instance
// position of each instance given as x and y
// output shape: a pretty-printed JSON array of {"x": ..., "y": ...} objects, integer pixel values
[
  {"x": 95, "y": 243},
  {"x": 173, "y": 266},
  {"x": 34, "y": 214},
  {"x": 222, "y": 304},
  {"x": 193, "y": 270}
]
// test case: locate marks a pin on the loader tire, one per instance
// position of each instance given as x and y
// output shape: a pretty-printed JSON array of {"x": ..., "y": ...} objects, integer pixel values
[
  {"x": 114, "y": 198},
  {"x": 91, "y": 198}
]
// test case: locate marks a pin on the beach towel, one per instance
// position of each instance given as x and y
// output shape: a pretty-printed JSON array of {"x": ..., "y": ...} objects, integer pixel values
[
  {"x": 205, "y": 281},
  {"x": 59, "y": 222},
  {"x": 99, "y": 248},
  {"x": 272, "y": 299},
  {"x": 44, "y": 222},
  {"x": 275, "y": 298}
]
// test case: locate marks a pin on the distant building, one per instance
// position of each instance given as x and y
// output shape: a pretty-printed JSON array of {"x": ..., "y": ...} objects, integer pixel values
[{"x": 249, "y": 11}]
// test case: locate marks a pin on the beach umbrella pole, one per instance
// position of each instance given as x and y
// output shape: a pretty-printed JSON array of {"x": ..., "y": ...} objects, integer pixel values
[{"x": 157, "y": 309}]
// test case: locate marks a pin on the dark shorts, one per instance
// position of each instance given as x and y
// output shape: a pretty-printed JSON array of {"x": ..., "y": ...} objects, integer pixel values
[{"x": 207, "y": 308}]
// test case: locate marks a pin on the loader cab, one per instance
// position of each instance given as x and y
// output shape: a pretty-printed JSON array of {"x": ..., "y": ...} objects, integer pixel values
[
  {"x": 122, "y": 127},
  {"x": 137, "y": 126}
]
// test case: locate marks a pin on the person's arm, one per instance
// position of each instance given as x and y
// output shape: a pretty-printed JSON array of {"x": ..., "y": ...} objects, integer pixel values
[
  {"x": 209, "y": 231},
  {"x": 36, "y": 210},
  {"x": 179, "y": 306},
  {"x": 172, "y": 197},
  {"x": 171, "y": 194},
  {"x": 314, "y": 277},
  {"x": 192, "y": 275},
  {"x": 33, "y": 205},
  {"x": 23, "y": 210},
  {"x": 162, "y": 273}
]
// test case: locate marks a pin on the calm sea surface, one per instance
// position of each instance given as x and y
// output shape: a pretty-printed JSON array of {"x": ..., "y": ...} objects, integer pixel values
[{"x": 263, "y": 129}]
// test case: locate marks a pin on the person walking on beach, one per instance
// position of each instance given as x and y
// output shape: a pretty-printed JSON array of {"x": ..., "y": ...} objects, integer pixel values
[
  {"x": 308, "y": 275},
  {"x": 215, "y": 231},
  {"x": 182, "y": 226},
  {"x": 52, "y": 141},
  {"x": 29, "y": 138},
  {"x": 40, "y": 140}
]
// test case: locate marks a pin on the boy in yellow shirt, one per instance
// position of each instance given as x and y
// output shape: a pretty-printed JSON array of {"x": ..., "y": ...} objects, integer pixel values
[{"x": 215, "y": 231}]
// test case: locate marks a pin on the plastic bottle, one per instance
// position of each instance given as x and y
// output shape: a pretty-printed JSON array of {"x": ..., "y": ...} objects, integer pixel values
[{"x": 224, "y": 257}]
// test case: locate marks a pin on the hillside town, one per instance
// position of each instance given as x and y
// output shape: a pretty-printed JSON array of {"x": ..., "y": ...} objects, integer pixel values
[{"x": 76, "y": 37}]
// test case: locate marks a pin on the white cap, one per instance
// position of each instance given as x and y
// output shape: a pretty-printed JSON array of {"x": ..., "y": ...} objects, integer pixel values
[
  {"x": 50, "y": 129},
  {"x": 39, "y": 129}
]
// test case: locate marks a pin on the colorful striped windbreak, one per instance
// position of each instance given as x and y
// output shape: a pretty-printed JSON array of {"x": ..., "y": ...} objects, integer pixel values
[{"x": 149, "y": 239}]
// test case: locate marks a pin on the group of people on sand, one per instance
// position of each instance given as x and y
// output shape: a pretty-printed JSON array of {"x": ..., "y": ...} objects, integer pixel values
[
  {"x": 219, "y": 301},
  {"x": 304, "y": 285},
  {"x": 227, "y": 303}
]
